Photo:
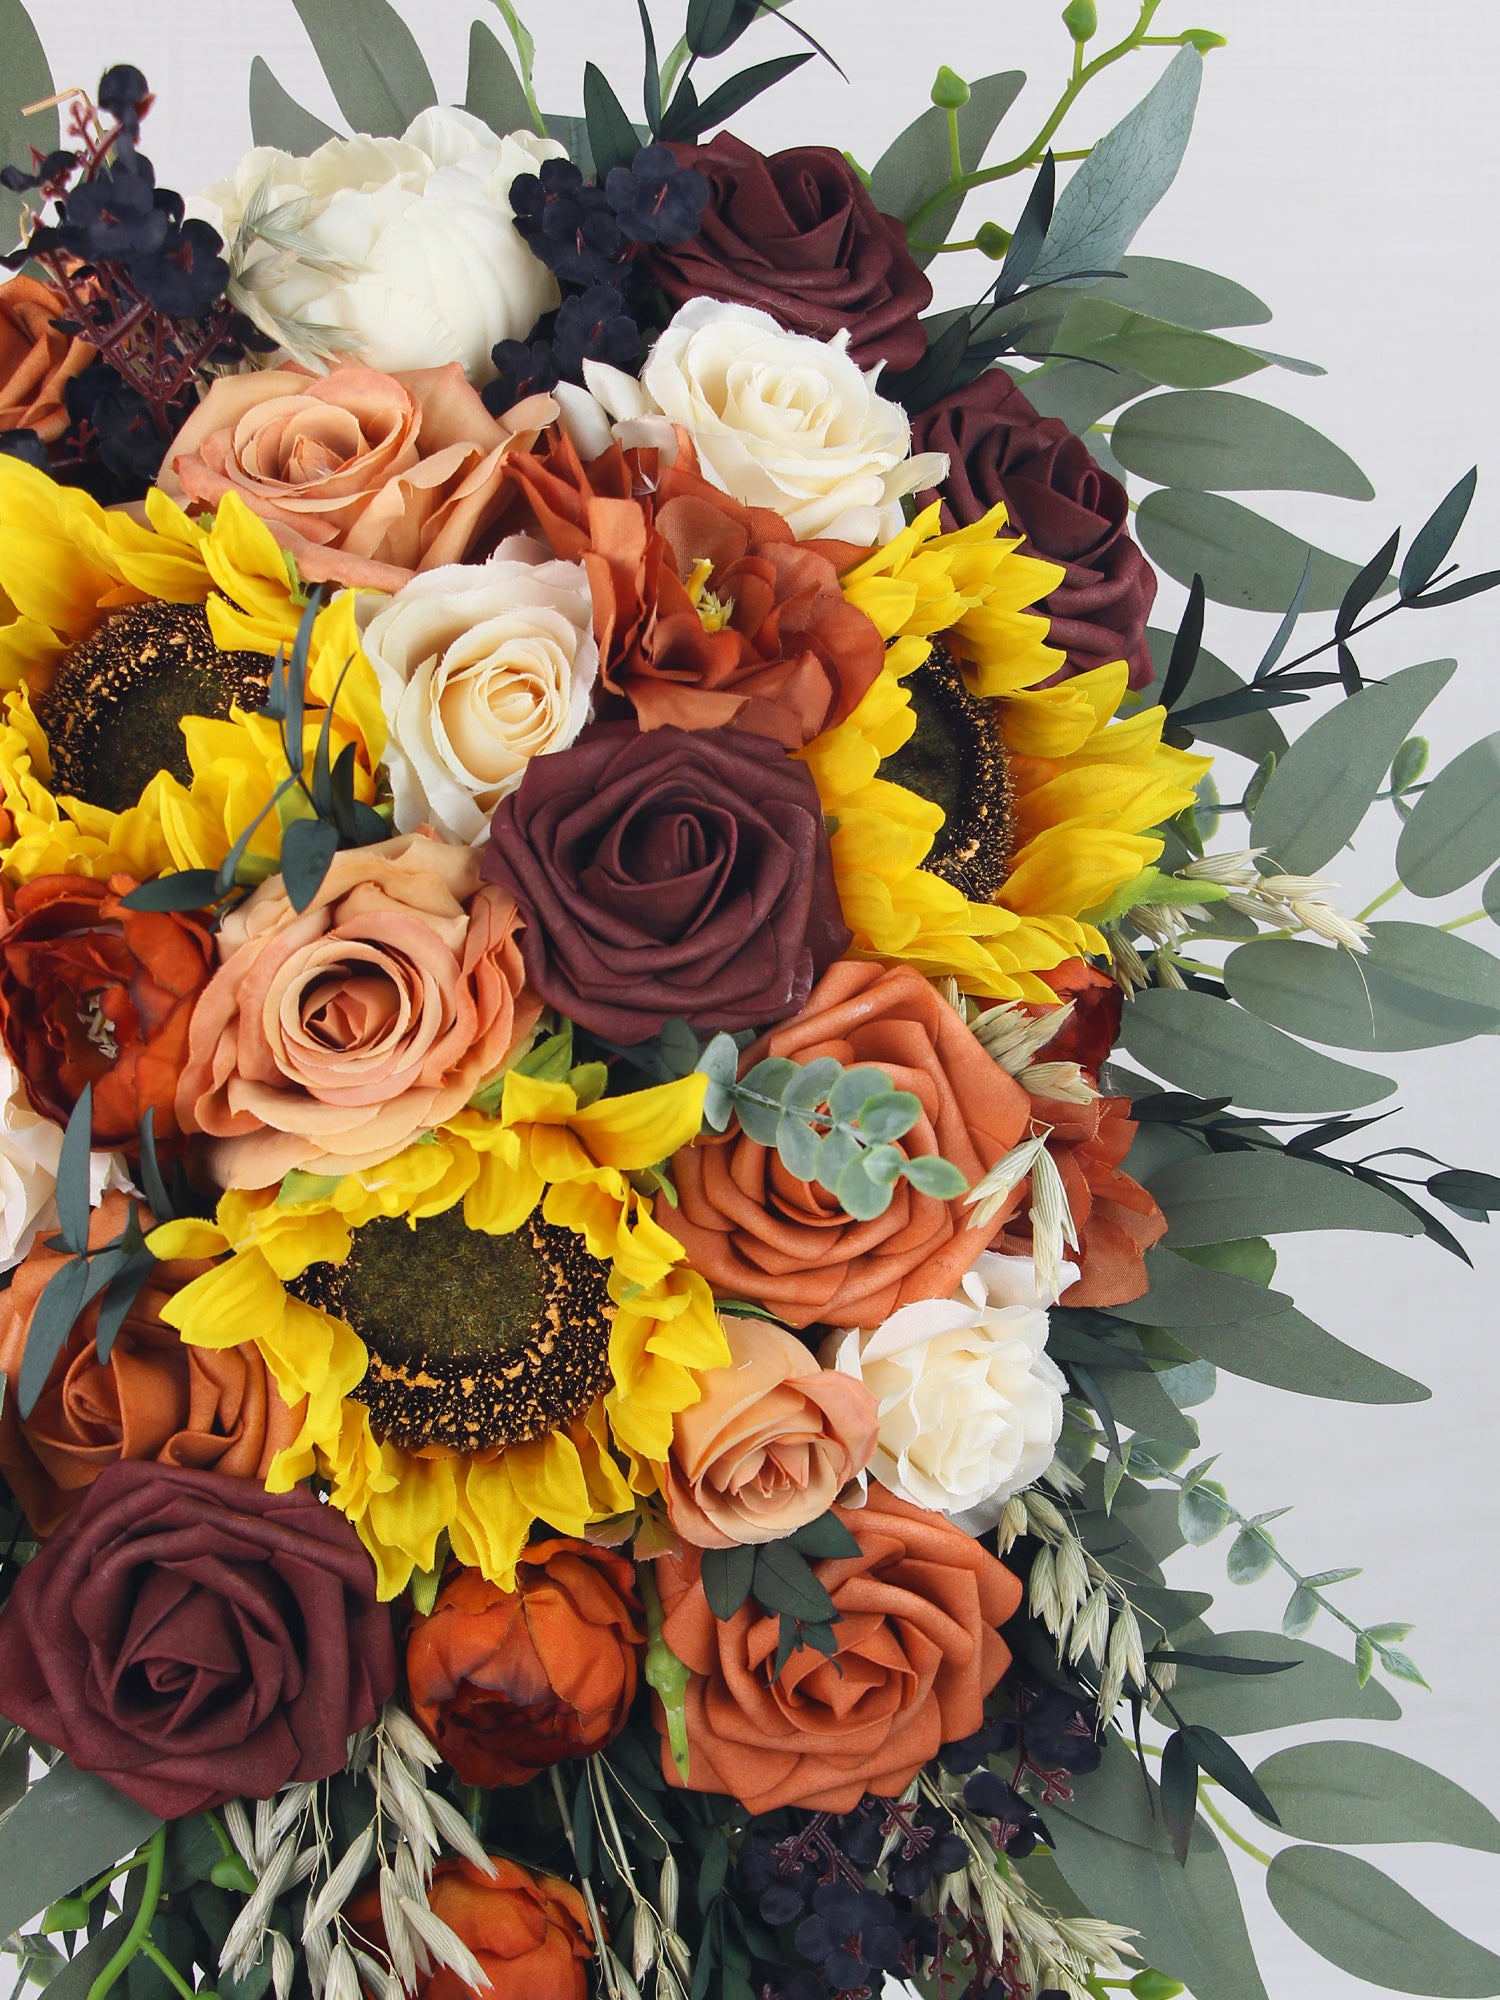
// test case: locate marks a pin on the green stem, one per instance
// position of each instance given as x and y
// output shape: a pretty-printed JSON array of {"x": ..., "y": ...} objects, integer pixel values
[
  {"x": 671, "y": 68},
  {"x": 156, "y": 1855},
  {"x": 167, "y": 1969},
  {"x": 1379, "y": 903},
  {"x": 955, "y": 146},
  {"x": 1229, "y": 1832},
  {"x": 1458, "y": 923}
]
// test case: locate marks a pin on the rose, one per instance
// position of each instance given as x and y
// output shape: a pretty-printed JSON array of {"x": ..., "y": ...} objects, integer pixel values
[
  {"x": 366, "y": 479},
  {"x": 1093, "y": 1027},
  {"x": 92, "y": 992},
  {"x": 672, "y": 874},
  {"x": 916, "y": 1650},
  {"x": 756, "y": 1232},
  {"x": 771, "y": 1443},
  {"x": 408, "y": 252},
  {"x": 30, "y": 1153},
  {"x": 798, "y": 235},
  {"x": 329, "y": 1039},
  {"x": 970, "y": 1404},
  {"x": 530, "y": 1933},
  {"x": 783, "y": 421},
  {"x": 709, "y": 613},
  {"x": 481, "y": 668},
  {"x": 195, "y": 1639},
  {"x": 506, "y": 1682},
  {"x": 154, "y": 1398},
  {"x": 37, "y": 361},
  {"x": 1068, "y": 508}
]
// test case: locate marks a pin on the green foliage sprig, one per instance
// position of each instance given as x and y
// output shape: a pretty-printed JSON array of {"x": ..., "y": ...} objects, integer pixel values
[{"x": 781, "y": 1579}]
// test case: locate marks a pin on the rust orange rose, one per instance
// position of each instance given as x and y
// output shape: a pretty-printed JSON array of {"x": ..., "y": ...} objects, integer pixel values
[
  {"x": 365, "y": 478},
  {"x": 37, "y": 362},
  {"x": 530, "y": 1933},
  {"x": 917, "y": 1649},
  {"x": 94, "y": 993},
  {"x": 770, "y": 1444},
  {"x": 1116, "y": 1218},
  {"x": 155, "y": 1398},
  {"x": 506, "y": 1682},
  {"x": 329, "y": 1039},
  {"x": 757, "y": 1232}
]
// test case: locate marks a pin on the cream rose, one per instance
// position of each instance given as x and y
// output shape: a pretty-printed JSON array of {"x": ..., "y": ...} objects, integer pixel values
[
  {"x": 409, "y": 252},
  {"x": 971, "y": 1404},
  {"x": 481, "y": 668},
  {"x": 30, "y": 1150},
  {"x": 779, "y": 420}
]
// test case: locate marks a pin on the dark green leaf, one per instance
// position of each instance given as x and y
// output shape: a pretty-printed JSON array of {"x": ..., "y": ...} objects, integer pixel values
[
  {"x": 1186, "y": 1295},
  {"x": 1417, "y": 987},
  {"x": 494, "y": 91},
  {"x": 371, "y": 59},
  {"x": 120, "y": 1295},
  {"x": 1225, "y": 1663},
  {"x": 713, "y": 1870},
  {"x": 1458, "y": 593},
  {"x": 715, "y": 25},
  {"x": 307, "y": 847},
  {"x": 1185, "y": 647},
  {"x": 1359, "y": 1919},
  {"x": 1244, "y": 559},
  {"x": 823, "y": 1538},
  {"x": 1221, "y": 1196},
  {"x": 1433, "y": 540},
  {"x": 1322, "y": 1687},
  {"x": 1357, "y": 1794},
  {"x": 277, "y": 119},
  {"x": 1179, "y": 1792},
  {"x": 56, "y": 1311},
  {"x": 73, "y": 1204},
  {"x": 1463, "y": 1189},
  {"x": 727, "y": 1575},
  {"x": 1453, "y": 834},
  {"x": 784, "y": 1581},
  {"x": 651, "y": 82},
  {"x": 1031, "y": 233},
  {"x": 1228, "y": 1768},
  {"x": 743, "y": 89},
  {"x": 1365, "y": 587},
  {"x": 24, "y": 79},
  {"x": 188, "y": 889},
  {"x": 612, "y": 137},
  {"x": 69, "y": 1827},
  {"x": 1219, "y": 712},
  {"x": 918, "y": 165},
  {"x": 1219, "y": 442},
  {"x": 682, "y": 119}
]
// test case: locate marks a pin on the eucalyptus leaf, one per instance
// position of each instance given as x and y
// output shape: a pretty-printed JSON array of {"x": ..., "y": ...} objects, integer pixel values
[
  {"x": 1322, "y": 1687},
  {"x": 1358, "y": 1794},
  {"x": 889, "y": 1114},
  {"x": 1185, "y": 1294},
  {"x": 1139, "y": 1401},
  {"x": 277, "y": 119},
  {"x": 1453, "y": 834},
  {"x": 918, "y": 164},
  {"x": 1220, "y": 1196},
  {"x": 69, "y": 1827},
  {"x": 1183, "y": 294},
  {"x": 1290, "y": 1351},
  {"x": 1416, "y": 987},
  {"x": 374, "y": 66},
  {"x": 1256, "y": 734},
  {"x": 1223, "y": 443},
  {"x": 1078, "y": 393},
  {"x": 494, "y": 91},
  {"x": 1244, "y": 559},
  {"x": 1249, "y": 1557},
  {"x": 1214, "y": 1048},
  {"x": 1098, "y": 330},
  {"x": 1322, "y": 788},
  {"x": 25, "y": 78},
  {"x": 1360, "y": 1920},
  {"x": 1124, "y": 177},
  {"x": 307, "y": 848}
]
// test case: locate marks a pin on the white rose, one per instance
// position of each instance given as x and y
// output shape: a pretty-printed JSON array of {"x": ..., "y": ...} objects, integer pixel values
[
  {"x": 481, "y": 667},
  {"x": 30, "y": 1149},
  {"x": 408, "y": 254},
  {"x": 783, "y": 421},
  {"x": 971, "y": 1405}
]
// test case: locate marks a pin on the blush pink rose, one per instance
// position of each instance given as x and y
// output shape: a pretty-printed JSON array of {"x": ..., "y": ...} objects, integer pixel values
[
  {"x": 769, "y": 1446},
  {"x": 364, "y": 478},
  {"x": 328, "y": 1040}
]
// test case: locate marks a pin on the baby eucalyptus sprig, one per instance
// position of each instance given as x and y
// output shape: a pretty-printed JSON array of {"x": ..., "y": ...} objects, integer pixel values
[{"x": 829, "y": 1124}]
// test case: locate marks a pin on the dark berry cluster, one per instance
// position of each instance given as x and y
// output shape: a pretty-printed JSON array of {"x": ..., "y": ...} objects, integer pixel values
[{"x": 587, "y": 236}]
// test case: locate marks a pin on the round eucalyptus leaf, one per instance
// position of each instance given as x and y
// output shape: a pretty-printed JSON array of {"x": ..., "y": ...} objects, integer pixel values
[
  {"x": 1360, "y": 1920},
  {"x": 1453, "y": 834}
]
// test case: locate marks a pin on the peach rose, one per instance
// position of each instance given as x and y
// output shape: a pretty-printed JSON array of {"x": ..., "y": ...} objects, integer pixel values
[
  {"x": 365, "y": 478},
  {"x": 330, "y": 1039},
  {"x": 770, "y": 1445},
  {"x": 917, "y": 1649},
  {"x": 155, "y": 1397},
  {"x": 37, "y": 362}
]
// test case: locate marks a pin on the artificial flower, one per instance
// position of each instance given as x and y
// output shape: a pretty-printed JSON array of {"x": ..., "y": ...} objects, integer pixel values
[
  {"x": 37, "y": 359},
  {"x": 481, "y": 668},
  {"x": 970, "y": 1402},
  {"x": 507, "y": 1682},
  {"x": 408, "y": 251},
  {"x": 268, "y": 1596},
  {"x": 530, "y": 1933}
]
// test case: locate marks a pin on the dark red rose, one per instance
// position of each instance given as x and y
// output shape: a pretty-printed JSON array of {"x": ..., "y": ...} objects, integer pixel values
[
  {"x": 1070, "y": 510},
  {"x": 1094, "y": 1026},
  {"x": 798, "y": 235},
  {"x": 682, "y": 873},
  {"x": 194, "y": 1639}
]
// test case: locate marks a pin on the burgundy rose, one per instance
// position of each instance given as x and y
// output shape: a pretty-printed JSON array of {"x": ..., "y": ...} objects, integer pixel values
[
  {"x": 194, "y": 1639},
  {"x": 682, "y": 873},
  {"x": 798, "y": 235},
  {"x": 1070, "y": 510}
]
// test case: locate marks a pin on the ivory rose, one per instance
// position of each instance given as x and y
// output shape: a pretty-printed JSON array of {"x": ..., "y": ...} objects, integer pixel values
[
  {"x": 481, "y": 668},
  {"x": 412, "y": 255},
  {"x": 328, "y": 1040},
  {"x": 364, "y": 478},
  {"x": 769, "y": 1446}
]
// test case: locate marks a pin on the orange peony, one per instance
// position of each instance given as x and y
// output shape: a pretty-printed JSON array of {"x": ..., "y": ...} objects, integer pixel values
[
  {"x": 917, "y": 1649},
  {"x": 506, "y": 1682},
  {"x": 37, "y": 361},
  {"x": 530, "y": 1933}
]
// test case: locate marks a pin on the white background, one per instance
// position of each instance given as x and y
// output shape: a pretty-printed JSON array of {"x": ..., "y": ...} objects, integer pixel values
[{"x": 1345, "y": 168}]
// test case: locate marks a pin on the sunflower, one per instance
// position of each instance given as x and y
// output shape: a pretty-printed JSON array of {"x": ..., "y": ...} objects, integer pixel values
[
  {"x": 489, "y": 1330},
  {"x": 976, "y": 815},
  {"x": 133, "y": 659}
]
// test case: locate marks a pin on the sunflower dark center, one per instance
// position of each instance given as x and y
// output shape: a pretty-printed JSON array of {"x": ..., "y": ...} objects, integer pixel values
[
  {"x": 113, "y": 713},
  {"x": 475, "y": 1341},
  {"x": 955, "y": 758}
]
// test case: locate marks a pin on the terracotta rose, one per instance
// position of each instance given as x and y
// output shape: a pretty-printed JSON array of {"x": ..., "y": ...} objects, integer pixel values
[
  {"x": 1116, "y": 1218},
  {"x": 154, "y": 1398},
  {"x": 364, "y": 478},
  {"x": 771, "y": 1443},
  {"x": 506, "y": 1682},
  {"x": 37, "y": 362},
  {"x": 328, "y": 1039},
  {"x": 757, "y": 1232},
  {"x": 917, "y": 1650},
  {"x": 530, "y": 1933}
]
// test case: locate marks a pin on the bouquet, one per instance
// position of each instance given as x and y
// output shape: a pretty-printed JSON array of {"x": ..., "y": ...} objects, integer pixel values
[{"x": 648, "y": 1062}]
